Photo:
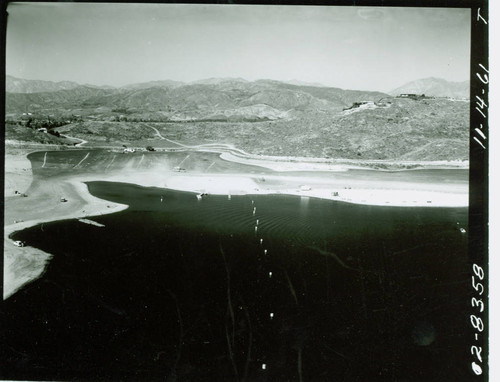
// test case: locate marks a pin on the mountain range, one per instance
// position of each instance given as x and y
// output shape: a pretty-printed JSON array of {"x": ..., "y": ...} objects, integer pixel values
[
  {"x": 210, "y": 99},
  {"x": 435, "y": 87},
  {"x": 20, "y": 85}
]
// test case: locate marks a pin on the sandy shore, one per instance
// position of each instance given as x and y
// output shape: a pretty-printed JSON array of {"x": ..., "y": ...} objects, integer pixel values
[
  {"x": 24, "y": 264},
  {"x": 43, "y": 204},
  {"x": 400, "y": 194},
  {"x": 18, "y": 175}
]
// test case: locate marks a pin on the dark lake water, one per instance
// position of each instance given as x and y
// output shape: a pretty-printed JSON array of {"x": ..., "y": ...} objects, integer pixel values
[{"x": 181, "y": 289}]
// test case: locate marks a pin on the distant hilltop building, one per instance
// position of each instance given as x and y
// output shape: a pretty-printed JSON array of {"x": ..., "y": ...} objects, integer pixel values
[
  {"x": 357, "y": 104},
  {"x": 412, "y": 96}
]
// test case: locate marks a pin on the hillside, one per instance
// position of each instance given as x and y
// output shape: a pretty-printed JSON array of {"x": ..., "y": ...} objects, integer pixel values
[
  {"x": 435, "y": 87},
  {"x": 67, "y": 99},
  {"x": 262, "y": 117},
  {"x": 196, "y": 101},
  {"x": 403, "y": 130}
]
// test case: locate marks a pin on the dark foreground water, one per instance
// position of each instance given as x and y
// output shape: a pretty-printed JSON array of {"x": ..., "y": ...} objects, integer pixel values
[{"x": 179, "y": 289}]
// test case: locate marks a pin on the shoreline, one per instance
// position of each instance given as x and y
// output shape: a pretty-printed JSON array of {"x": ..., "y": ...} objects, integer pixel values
[
  {"x": 279, "y": 163},
  {"x": 25, "y": 264},
  {"x": 369, "y": 193},
  {"x": 365, "y": 192}
]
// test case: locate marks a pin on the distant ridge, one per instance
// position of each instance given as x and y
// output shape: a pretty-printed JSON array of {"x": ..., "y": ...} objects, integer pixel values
[
  {"x": 19, "y": 85},
  {"x": 207, "y": 99},
  {"x": 152, "y": 84},
  {"x": 435, "y": 87},
  {"x": 303, "y": 83},
  {"x": 431, "y": 86},
  {"x": 219, "y": 81}
]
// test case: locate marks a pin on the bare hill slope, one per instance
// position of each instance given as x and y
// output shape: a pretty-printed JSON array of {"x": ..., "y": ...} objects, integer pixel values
[{"x": 436, "y": 87}]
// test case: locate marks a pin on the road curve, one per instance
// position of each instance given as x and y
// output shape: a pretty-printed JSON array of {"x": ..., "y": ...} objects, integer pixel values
[
  {"x": 166, "y": 139},
  {"x": 82, "y": 141}
]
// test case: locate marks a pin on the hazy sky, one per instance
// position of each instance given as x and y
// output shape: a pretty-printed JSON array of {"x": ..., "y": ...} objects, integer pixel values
[{"x": 347, "y": 47}]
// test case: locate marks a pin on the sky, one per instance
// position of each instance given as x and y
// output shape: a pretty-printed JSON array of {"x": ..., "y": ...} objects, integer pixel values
[{"x": 377, "y": 48}]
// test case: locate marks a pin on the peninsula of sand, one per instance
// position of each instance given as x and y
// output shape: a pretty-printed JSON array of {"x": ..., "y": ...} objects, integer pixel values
[{"x": 66, "y": 196}]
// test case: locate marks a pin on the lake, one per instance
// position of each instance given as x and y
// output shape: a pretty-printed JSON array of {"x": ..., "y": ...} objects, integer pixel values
[{"x": 176, "y": 288}]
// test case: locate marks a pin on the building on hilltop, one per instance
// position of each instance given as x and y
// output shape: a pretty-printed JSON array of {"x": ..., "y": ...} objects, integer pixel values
[{"x": 412, "y": 96}]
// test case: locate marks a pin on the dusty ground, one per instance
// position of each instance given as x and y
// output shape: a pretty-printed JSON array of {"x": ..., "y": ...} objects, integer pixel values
[
  {"x": 18, "y": 174},
  {"x": 43, "y": 203}
]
